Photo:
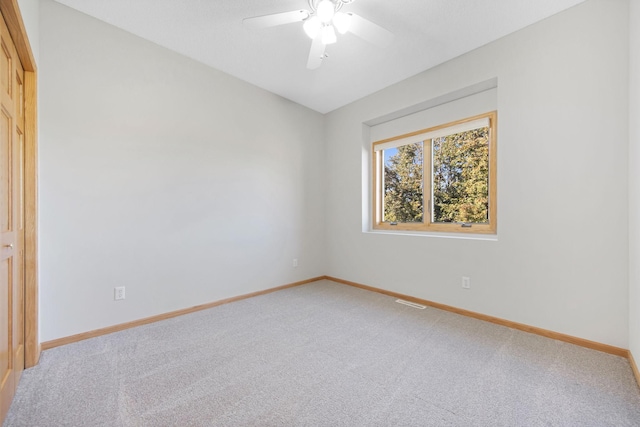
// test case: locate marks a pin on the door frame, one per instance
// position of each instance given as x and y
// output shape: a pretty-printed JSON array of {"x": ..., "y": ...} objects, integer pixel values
[{"x": 13, "y": 18}]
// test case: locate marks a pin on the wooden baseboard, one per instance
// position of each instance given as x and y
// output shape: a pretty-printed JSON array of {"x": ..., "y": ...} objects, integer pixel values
[
  {"x": 519, "y": 326},
  {"x": 634, "y": 367},
  {"x": 122, "y": 326}
]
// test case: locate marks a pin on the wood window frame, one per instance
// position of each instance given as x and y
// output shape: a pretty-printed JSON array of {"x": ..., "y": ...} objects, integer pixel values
[
  {"x": 11, "y": 13},
  {"x": 427, "y": 225}
]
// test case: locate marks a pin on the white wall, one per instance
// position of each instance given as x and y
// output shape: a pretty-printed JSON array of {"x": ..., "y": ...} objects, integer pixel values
[
  {"x": 560, "y": 261},
  {"x": 186, "y": 185},
  {"x": 634, "y": 179},
  {"x": 165, "y": 176},
  {"x": 30, "y": 10}
]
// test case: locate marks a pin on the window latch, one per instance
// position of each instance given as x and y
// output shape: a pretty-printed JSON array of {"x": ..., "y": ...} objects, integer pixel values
[
  {"x": 393, "y": 223},
  {"x": 465, "y": 225}
]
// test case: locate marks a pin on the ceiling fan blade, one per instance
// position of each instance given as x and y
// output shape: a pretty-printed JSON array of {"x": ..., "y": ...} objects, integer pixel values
[
  {"x": 367, "y": 30},
  {"x": 316, "y": 55},
  {"x": 276, "y": 19}
]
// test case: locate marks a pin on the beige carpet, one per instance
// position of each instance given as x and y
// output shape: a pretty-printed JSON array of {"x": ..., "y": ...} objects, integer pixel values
[{"x": 325, "y": 354}]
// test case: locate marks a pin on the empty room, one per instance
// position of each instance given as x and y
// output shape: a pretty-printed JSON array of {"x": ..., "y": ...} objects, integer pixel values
[{"x": 320, "y": 213}]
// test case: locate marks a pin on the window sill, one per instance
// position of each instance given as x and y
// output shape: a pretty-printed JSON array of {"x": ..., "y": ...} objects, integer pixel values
[{"x": 441, "y": 235}]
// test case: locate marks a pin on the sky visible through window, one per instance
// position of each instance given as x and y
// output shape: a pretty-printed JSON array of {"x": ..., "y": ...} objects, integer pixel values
[{"x": 388, "y": 154}]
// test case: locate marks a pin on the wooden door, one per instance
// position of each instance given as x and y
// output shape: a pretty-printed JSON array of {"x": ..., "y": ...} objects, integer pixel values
[{"x": 11, "y": 220}]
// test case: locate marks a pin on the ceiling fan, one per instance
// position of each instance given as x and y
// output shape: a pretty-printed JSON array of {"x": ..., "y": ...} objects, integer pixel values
[{"x": 321, "y": 22}]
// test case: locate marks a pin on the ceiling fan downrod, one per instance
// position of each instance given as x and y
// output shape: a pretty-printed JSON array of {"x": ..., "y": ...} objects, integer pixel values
[{"x": 313, "y": 4}]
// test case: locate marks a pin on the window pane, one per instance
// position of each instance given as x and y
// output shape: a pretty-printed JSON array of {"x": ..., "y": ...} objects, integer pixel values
[
  {"x": 403, "y": 200},
  {"x": 461, "y": 177}
]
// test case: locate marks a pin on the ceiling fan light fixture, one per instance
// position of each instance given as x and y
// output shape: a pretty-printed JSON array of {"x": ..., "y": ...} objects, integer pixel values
[
  {"x": 328, "y": 35},
  {"x": 326, "y": 10},
  {"x": 342, "y": 22},
  {"x": 312, "y": 27},
  {"x": 321, "y": 22}
]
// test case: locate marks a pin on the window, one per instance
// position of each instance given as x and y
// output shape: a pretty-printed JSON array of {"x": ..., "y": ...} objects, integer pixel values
[{"x": 438, "y": 179}]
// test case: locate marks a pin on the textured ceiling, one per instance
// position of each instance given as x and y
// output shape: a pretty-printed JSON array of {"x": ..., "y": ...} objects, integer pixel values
[{"x": 427, "y": 33}]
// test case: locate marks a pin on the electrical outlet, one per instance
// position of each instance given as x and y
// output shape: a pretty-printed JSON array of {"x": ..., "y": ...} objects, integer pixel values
[
  {"x": 295, "y": 262},
  {"x": 118, "y": 293},
  {"x": 466, "y": 282}
]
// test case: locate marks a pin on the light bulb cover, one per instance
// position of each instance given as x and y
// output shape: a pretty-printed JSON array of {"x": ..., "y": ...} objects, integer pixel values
[
  {"x": 326, "y": 10},
  {"x": 328, "y": 35},
  {"x": 312, "y": 27},
  {"x": 342, "y": 22}
]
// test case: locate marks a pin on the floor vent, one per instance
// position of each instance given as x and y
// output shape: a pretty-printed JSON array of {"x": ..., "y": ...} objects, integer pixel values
[{"x": 411, "y": 304}]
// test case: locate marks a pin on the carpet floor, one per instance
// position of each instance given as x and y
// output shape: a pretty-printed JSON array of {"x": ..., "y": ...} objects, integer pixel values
[{"x": 325, "y": 354}]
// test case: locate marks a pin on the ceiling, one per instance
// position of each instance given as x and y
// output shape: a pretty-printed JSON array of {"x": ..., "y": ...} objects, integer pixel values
[{"x": 427, "y": 33}]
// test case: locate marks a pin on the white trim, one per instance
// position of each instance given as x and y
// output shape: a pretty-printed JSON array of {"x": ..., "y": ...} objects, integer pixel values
[{"x": 454, "y": 96}]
